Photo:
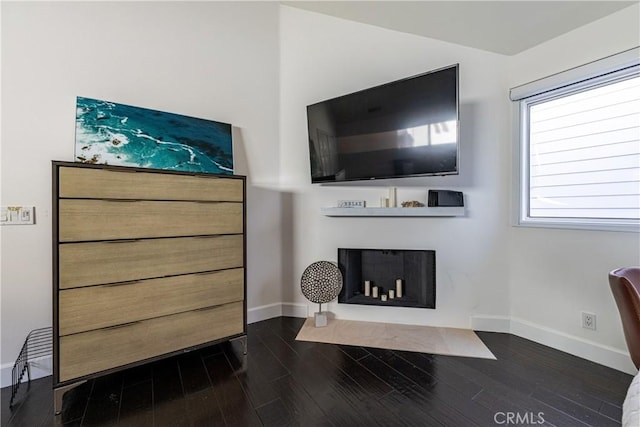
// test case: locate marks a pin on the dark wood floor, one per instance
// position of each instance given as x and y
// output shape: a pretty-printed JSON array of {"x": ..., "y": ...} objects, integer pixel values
[{"x": 289, "y": 383}]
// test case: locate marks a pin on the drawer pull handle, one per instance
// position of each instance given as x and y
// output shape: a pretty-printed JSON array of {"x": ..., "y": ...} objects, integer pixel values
[
  {"x": 206, "y": 308},
  {"x": 123, "y": 325},
  {"x": 131, "y": 282},
  {"x": 122, "y": 241}
]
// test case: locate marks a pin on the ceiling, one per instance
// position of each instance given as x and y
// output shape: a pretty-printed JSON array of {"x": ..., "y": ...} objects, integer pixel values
[{"x": 505, "y": 27}]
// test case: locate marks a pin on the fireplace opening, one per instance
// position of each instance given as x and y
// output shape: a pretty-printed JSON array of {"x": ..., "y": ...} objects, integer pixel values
[{"x": 388, "y": 277}]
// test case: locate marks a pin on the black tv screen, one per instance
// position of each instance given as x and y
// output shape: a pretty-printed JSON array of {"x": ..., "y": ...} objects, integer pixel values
[{"x": 408, "y": 127}]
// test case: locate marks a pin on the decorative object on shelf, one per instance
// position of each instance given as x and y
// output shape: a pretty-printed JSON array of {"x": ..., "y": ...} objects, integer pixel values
[
  {"x": 367, "y": 288},
  {"x": 384, "y": 202},
  {"x": 392, "y": 197},
  {"x": 399, "y": 288},
  {"x": 352, "y": 204},
  {"x": 383, "y": 297},
  {"x": 117, "y": 134},
  {"x": 374, "y": 292},
  {"x": 392, "y": 294},
  {"x": 412, "y": 204},
  {"x": 321, "y": 282},
  {"x": 446, "y": 198}
]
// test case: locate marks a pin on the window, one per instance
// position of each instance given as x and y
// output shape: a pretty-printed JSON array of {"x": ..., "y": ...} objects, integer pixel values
[{"x": 579, "y": 151}]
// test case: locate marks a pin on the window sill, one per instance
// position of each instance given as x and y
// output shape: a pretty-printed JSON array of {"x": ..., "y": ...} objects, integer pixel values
[{"x": 618, "y": 226}]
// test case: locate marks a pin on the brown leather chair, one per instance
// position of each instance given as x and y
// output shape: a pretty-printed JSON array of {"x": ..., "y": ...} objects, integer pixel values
[{"x": 625, "y": 285}]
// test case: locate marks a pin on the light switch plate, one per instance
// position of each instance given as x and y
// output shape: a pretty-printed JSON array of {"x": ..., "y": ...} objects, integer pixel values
[{"x": 17, "y": 215}]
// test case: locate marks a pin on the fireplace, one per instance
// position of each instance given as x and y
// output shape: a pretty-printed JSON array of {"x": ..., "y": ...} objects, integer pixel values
[{"x": 413, "y": 272}]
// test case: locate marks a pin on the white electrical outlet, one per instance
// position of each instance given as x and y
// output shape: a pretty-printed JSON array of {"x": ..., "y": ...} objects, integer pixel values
[{"x": 588, "y": 320}]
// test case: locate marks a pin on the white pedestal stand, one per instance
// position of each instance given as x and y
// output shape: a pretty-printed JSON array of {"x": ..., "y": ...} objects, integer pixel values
[{"x": 320, "y": 319}]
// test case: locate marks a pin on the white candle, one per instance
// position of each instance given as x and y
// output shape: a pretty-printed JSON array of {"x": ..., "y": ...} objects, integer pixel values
[
  {"x": 383, "y": 297},
  {"x": 392, "y": 197},
  {"x": 375, "y": 292},
  {"x": 392, "y": 294},
  {"x": 384, "y": 202},
  {"x": 367, "y": 288},
  {"x": 399, "y": 288}
]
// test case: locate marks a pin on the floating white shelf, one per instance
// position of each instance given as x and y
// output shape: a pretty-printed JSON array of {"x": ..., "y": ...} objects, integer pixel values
[{"x": 433, "y": 211}]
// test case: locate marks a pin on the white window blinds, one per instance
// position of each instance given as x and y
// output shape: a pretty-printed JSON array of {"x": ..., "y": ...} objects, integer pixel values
[{"x": 584, "y": 151}]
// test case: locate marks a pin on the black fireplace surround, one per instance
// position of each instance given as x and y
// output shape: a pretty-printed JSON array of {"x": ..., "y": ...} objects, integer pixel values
[{"x": 382, "y": 267}]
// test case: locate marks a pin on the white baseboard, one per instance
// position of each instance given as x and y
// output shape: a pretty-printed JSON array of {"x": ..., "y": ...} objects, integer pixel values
[
  {"x": 580, "y": 347},
  {"x": 295, "y": 310},
  {"x": 40, "y": 367},
  {"x": 264, "y": 312},
  {"x": 270, "y": 311},
  {"x": 491, "y": 323}
]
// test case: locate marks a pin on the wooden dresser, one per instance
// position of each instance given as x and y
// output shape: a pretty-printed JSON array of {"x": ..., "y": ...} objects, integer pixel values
[{"x": 146, "y": 264}]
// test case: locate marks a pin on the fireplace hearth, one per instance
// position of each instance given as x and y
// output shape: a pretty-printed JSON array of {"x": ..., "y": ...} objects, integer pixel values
[{"x": 383, "y": 268}]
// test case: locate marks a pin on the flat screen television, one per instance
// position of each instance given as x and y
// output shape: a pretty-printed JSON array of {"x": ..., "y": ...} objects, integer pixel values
[{"x": 408, "y": 127}]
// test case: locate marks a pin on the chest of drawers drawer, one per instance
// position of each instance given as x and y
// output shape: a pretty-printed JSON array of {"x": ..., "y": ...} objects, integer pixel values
[
  {"x": 103, "y": 349},
  {"x": 129, "y": 183},
  {"x": 84, "y": 220},
  {"x": 84, "y": 264},
  {"x": 103, "y": 306}
]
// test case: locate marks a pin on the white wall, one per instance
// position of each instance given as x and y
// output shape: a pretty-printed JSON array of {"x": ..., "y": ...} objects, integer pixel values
[
  {"x": 211, "y": 60},
  {"x": 323, "y": 57},
  {"x": 556, "y": 274}
]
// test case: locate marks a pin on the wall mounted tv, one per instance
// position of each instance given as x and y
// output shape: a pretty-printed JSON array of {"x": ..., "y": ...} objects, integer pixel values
[{"x": 408, "y": 127}]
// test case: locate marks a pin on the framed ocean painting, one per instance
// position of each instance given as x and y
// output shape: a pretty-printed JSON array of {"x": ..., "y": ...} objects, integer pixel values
[{"x": 117, "y": 134}]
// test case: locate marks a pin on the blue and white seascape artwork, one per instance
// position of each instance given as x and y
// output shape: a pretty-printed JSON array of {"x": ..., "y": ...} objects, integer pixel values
[{"x": 116, "y": 134}]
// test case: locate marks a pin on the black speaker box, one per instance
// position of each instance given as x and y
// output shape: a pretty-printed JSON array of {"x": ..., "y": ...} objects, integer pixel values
[{"x": 445, "y": 198}]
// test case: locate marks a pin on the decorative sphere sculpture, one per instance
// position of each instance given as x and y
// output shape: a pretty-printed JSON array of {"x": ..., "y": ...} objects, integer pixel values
[{"x": 321, "y": 282}]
